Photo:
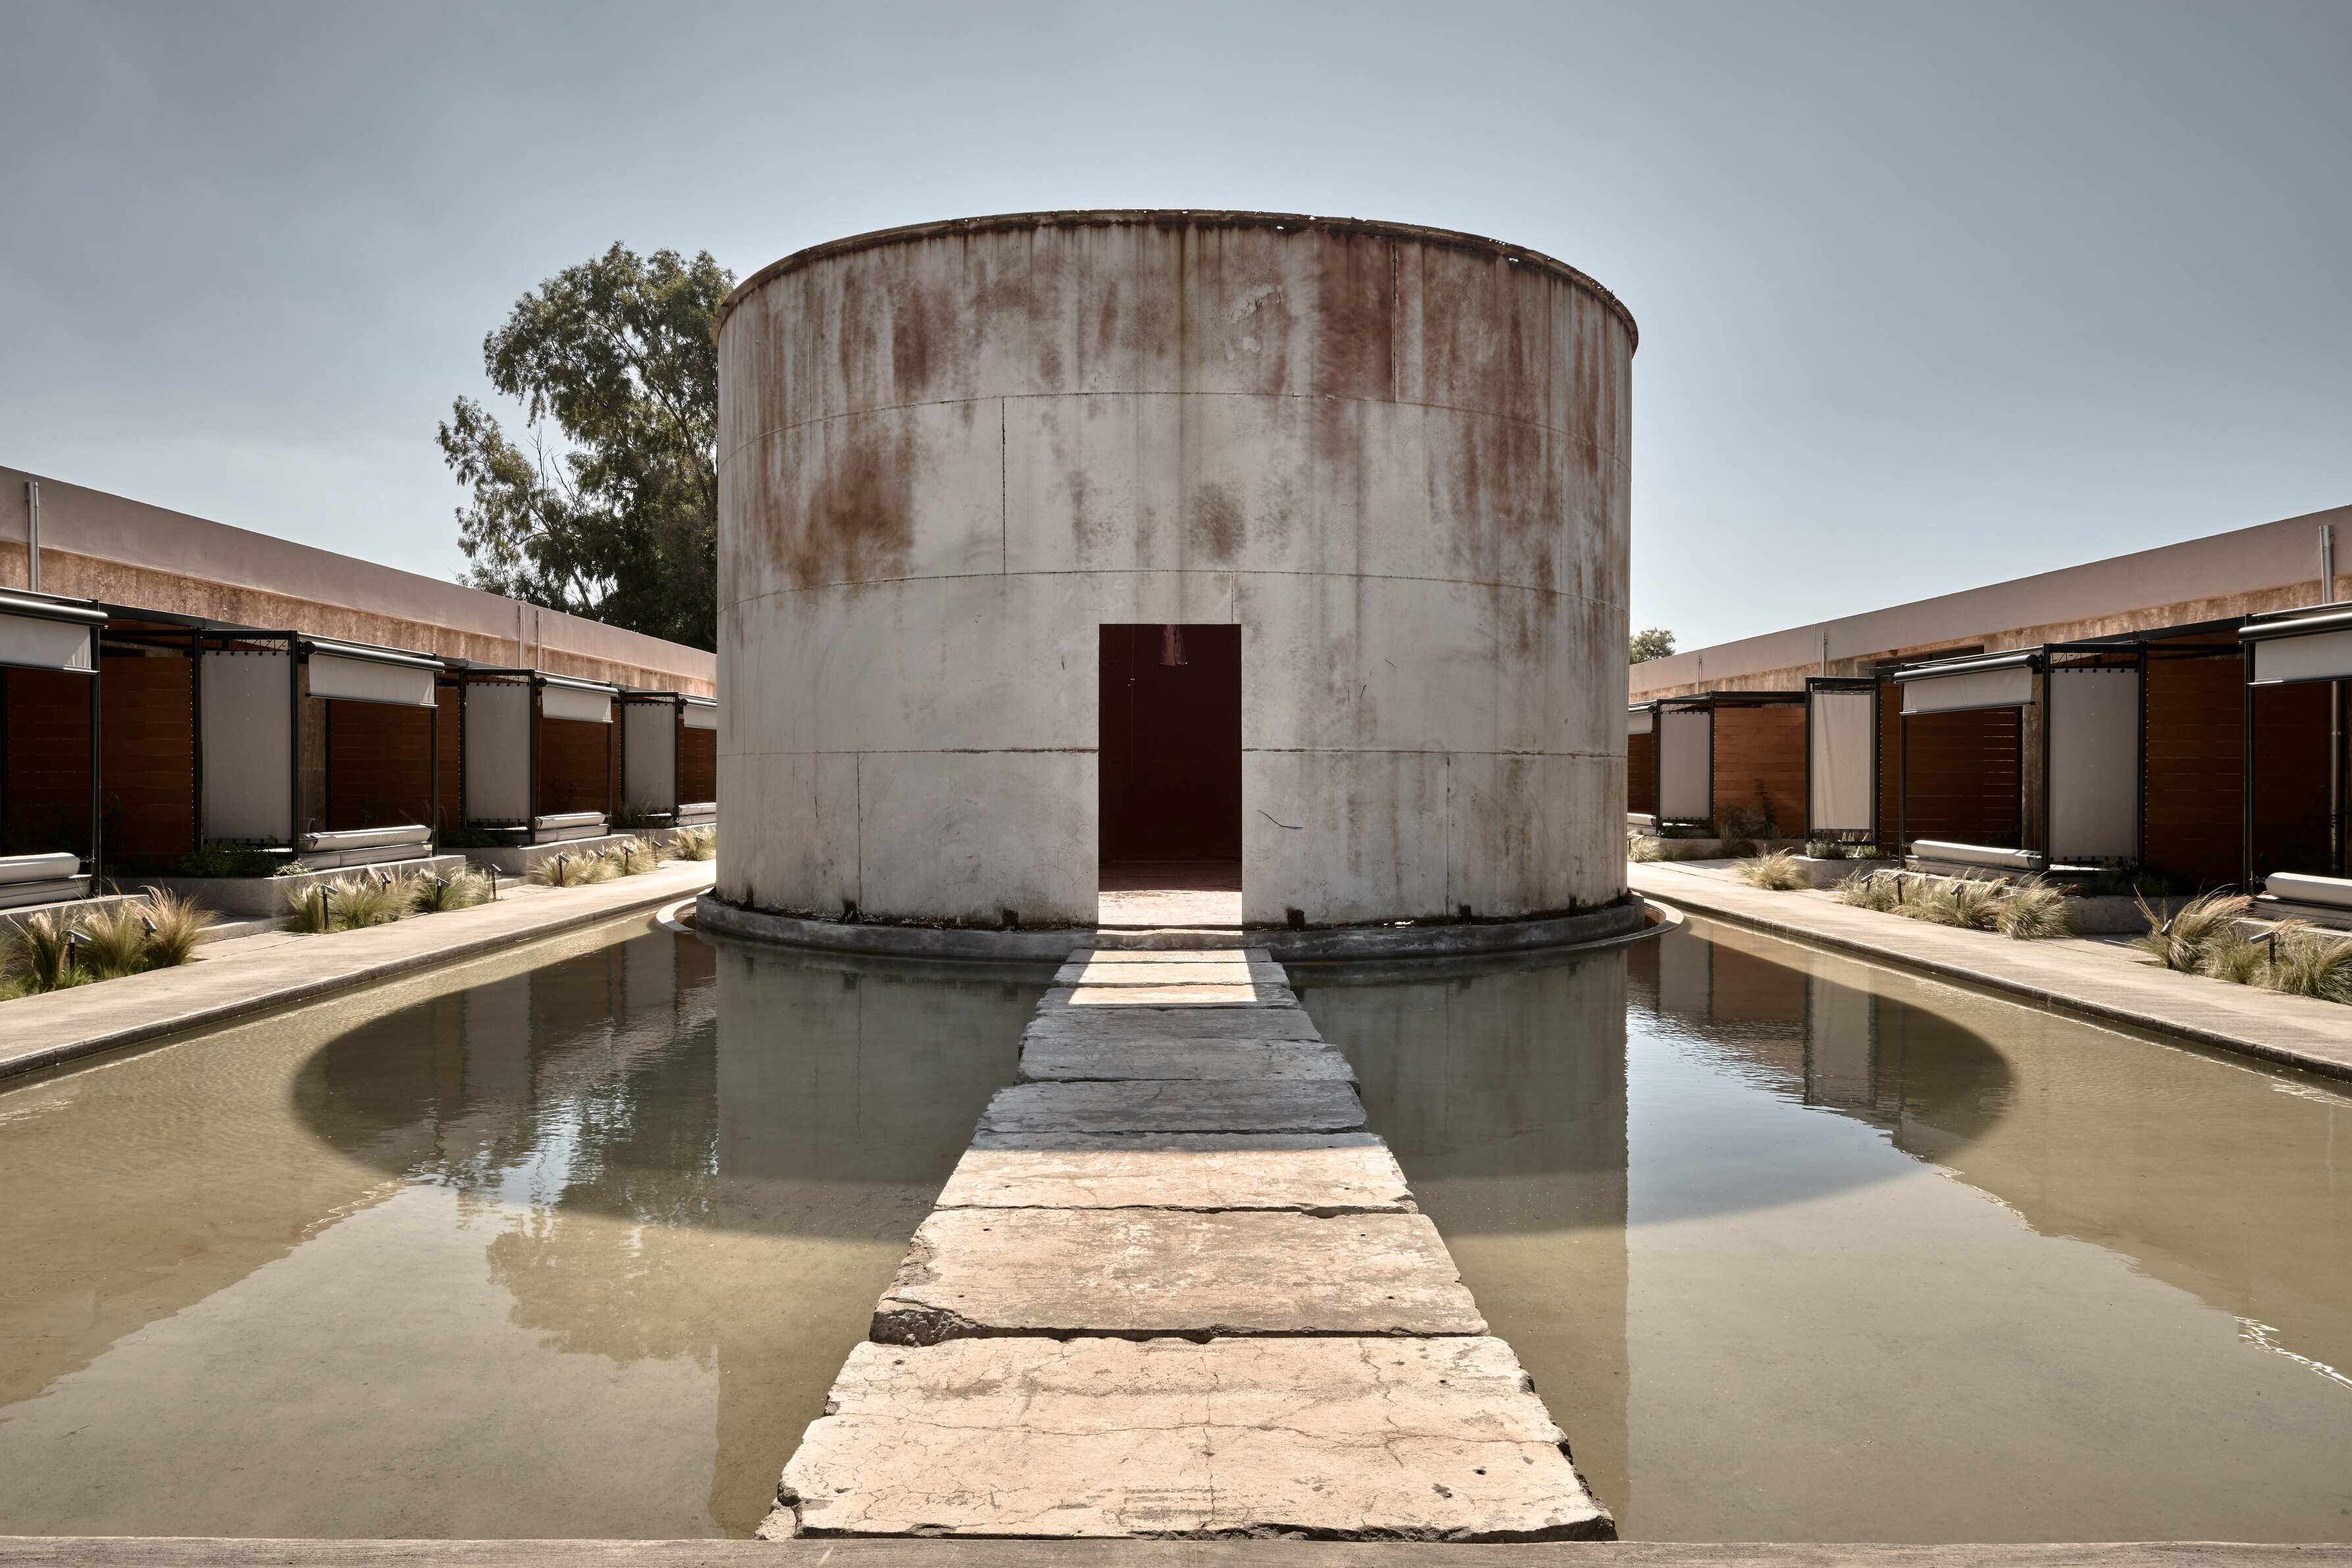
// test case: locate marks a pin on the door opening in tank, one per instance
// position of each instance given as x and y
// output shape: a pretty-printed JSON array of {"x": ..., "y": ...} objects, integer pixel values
[{"x": 1171, "y": 775}]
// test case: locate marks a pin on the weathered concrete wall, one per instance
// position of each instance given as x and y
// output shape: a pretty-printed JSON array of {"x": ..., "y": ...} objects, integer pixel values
[
  {"x": 1396, "y": 458},
  {"x": 2271, "y": 565},
  {"x": 125, "y": 552}
]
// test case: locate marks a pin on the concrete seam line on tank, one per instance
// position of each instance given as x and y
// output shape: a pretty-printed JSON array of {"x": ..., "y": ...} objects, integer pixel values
[
  {"x": 1564, "y": 432},
  {"x": 309, "y": 991},
  {"x": 2104, "y": 1012},
  {"x": 1014, "y": 1551},
  {"x": 1234, "y": 572}
]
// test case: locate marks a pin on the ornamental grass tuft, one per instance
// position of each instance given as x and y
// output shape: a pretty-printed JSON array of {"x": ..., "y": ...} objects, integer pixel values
[
  {"x": 437, "y": 894},
  {"x": 2036, "y": 912},
  {"x": 2181, "y": 943},
  {"x": 2305, "y": 962},
  {"x": 697, "y": 845},
  {"x": 1779, "y": 872}
]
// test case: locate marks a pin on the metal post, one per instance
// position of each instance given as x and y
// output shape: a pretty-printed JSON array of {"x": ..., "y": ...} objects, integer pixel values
[
  {"x": 97, "y": 783},
  {"x": 2139, "y": 833},
  {"x": 2246, "y": 786},
  {"x": 294, "y": 736},
  {"x": 530, "y": 690},
  {"x": 196, "y": 739},
  {"x": 2335, "y": 778},
  {"x": 433, "y": 767},
  {"x": 1902, "y": 783}
]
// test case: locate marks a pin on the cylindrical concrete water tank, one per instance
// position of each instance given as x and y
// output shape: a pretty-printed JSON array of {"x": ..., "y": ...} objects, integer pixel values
[{"x": 1395, "y": 457}]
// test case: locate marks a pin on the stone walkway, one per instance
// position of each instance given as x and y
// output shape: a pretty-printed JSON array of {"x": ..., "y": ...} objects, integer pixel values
[
  {"x": 249, "y": 974},
  {"x": 1174, "y": 1288},
  {"x": 2102, "y": 980}
]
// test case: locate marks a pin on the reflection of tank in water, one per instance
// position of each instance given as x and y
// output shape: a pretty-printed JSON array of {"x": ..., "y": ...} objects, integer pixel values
[
  {"x": 722, "y": 1153},
  {"x": 1503, "y": 1096}
]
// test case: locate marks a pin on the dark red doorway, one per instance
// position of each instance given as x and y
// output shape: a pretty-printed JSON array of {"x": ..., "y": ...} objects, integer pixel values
[{"x": 1170, "y": 757}]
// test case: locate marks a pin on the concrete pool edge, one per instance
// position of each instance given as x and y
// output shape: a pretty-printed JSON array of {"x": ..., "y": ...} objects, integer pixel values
[
  {"x": 57, "y": 1029},
  {"x": 2018, "y": 970},
  {"x": 1616, "y": 923},
  {"x": 188, "y": 1551}
]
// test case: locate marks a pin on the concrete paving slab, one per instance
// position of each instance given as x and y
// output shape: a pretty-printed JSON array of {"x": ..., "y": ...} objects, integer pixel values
[
  {"x": 1142, "y": 1273},
  {"x": 1226, "y": 972},
  {"x": 1175, "y": 1105},
  {"x": 1321, "y": 1173},
  {"x": 1105, "y": 1058},
  {"x": 1170, "y": 1023},
  {"x": 1243, "y": 993},
  {"x": 1338, "y": 1438}
]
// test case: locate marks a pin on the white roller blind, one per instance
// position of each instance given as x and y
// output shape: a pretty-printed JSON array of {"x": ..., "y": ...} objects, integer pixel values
[
  {"x": 369, "y": 680},
  {"x": 1685, "y": 764},
  {"x": 1839, "y": 775},
  {"x": 2094, "y": 722},
  {"x": 1638, "y": 721},
  {"x": 701, "y": 718},
  {"x": 37, "y": 642},
  {"x": 572, "y": 703},
  {"x": 649, "y": 756},
  {"x": 2322, "y": 657},
  {"x": 249, "y": 734},
  {"x": 2012, "y": 687},
  {"x": 498, "y": 752}
]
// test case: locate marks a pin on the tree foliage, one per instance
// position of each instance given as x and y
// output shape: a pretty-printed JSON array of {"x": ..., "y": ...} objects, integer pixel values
[
  {"x": 1654, "y": 643},
  {"x": 612, "y": 514}
]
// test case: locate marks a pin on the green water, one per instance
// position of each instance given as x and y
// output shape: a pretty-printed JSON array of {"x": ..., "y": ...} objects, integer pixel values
[{"x": 570, "y": 1243}]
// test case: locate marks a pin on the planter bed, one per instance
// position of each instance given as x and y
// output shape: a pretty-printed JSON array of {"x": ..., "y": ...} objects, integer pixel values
[
  {"x": 266, "y": 895},
  {"x": 518, "y": 859}
]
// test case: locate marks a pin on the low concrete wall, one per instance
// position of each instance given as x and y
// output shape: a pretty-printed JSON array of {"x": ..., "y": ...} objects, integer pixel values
[
  {"x": 521, "y": 859},
  {"x": 266, "y": 895},
  {"x": 70, "y": 909}
]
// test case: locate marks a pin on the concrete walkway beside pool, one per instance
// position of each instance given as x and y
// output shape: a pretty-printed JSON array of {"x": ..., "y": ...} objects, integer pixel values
[
  {"x": 228, "y": 979},
  {"x": 2102, "y": 980}
]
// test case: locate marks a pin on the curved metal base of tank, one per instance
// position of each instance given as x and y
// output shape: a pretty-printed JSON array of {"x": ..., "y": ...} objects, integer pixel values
[{"x": 1353, "y": 944}]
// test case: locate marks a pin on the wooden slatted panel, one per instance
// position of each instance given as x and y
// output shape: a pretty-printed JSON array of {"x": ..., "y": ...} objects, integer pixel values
[
  {"x": 1890, "y": 723},
  {"x": 576, "y": 766},
  {"x": 1759, "y": 764},
  {"x": 697, "y": 765},
  {"x": 2196, "y": 773},
  {"x": 147, "y": 744},
  {"x": 2291, "y": 727},
  {"x": 447, "y": 715},
  {"x": 1962, "y": 776},
  {"x": 47, "y": 762},
  {"x": 379, "y": 765},
  {"x": 1642, "y": 773}
]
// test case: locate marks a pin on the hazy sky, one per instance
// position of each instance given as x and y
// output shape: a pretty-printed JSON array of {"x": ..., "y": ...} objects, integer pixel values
[{"x": 1929, "y": 296}]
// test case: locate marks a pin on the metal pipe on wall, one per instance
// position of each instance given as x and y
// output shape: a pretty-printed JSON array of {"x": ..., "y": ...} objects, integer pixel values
[{"x": 33, "y": 535}]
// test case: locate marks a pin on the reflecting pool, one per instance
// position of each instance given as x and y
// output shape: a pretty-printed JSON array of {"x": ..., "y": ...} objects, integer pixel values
[
  {"x": 571, "y": 1242},
  {"x": 1800, "y": 1248}
]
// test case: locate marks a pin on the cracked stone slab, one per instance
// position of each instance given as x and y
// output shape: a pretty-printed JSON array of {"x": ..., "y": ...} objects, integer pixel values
[
  {"x": 1147, "y": 1273},
  {"x": 1170, "y": 1023},
  {"x": 1103, "y": 1059},
  {"x": 1176, "y": 1105},
  {"x": 1230, "y": 972},
  {"x": 1321, "y": 1173},
  {"x": 1334, "y": 1438},
  {"x": 1243, "y": 993}
]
